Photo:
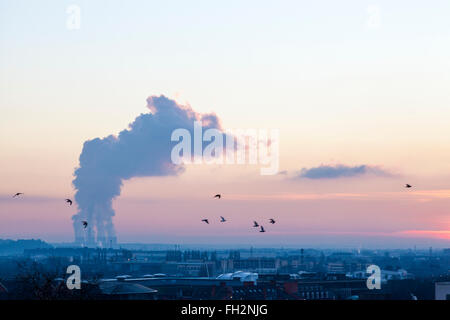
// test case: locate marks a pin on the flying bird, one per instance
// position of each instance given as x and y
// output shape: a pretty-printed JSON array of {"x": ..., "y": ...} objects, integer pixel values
[
  {"x": 272, "y": 221},
  {"x": 222, "y": 219},
  {"x": 262, "y": 229},
  {"x": 17, "y": 194},
  {"x": 408, "y": 186},
  {"x": 255, "y": 224},
  {"x": 85, "y": 224},
  {"x": 205, "y": 221},
  {"x": 218, "y": 196},
  {"x": 69, "y": 201}
]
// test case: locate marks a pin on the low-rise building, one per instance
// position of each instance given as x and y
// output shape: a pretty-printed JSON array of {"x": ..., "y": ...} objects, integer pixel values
[{"x": 442, "y": 290}]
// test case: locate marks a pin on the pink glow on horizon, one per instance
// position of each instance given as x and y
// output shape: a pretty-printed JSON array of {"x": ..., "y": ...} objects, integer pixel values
[{"x": 439, "y": 234}]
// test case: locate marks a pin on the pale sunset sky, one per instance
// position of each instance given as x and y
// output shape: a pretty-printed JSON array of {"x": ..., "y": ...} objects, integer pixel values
[{"x": 347, "y": 83}]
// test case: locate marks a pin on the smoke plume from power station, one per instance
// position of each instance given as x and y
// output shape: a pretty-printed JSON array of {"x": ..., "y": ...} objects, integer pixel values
[{"x": 142, "y": 150}]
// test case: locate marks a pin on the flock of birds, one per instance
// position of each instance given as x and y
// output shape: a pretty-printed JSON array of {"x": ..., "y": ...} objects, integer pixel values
[
  {"x": 69, "y": 201},
  {"x": 255, "y": 224},
  {"x": 217, "y": 196}
]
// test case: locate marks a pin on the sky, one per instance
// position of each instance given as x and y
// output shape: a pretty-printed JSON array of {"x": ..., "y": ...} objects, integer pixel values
[{"x": 359, "y": 91}]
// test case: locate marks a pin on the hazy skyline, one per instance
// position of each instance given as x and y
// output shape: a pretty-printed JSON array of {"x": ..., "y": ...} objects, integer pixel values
[{"x": 364, "y": 95}]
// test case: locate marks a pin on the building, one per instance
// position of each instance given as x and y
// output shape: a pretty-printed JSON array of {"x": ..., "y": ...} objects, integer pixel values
[
  {"x": 442, "y": 290},
  {"x": 121, "y": 290},
  {"x": 239, "y": 285},
  {"x": 336, "y": 267}
]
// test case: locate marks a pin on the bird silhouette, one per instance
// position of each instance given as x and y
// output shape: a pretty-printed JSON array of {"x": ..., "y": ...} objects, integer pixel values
[
  {"x": 69, "y": 201},
  {"x": 262, "y": 229},
  {"x": 222, "y": 219},
  {"x": 272, "y": 221},
  {"x": 408, "y": 186},
  {"x": 255, "y": 224},
  {"x": 205, "y": 221},
  {"x": 85, "y": 224},
  {"x": 218, "y": 196},
  {"x": 17, "y": 194}
]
